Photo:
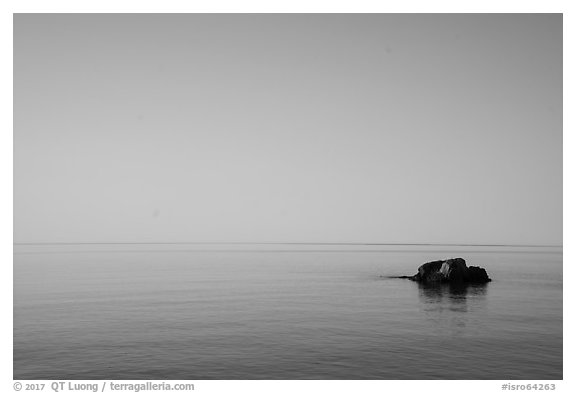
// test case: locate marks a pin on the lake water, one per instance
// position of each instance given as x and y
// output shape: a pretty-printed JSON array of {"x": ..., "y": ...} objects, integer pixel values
[{"x": 283, "y": 313}]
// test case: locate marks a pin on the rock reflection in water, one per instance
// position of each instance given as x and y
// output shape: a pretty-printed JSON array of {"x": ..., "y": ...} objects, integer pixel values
[
  {"x": 449, "y": 305},
  {"x": 452, "y": 296}
]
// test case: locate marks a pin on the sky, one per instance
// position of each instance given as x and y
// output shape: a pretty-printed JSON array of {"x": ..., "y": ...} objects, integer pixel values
[{"x": 434, "y": 128}]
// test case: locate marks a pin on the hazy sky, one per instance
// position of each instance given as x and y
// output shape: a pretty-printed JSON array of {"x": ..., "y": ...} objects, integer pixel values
[{"x": 410, "y": 128}]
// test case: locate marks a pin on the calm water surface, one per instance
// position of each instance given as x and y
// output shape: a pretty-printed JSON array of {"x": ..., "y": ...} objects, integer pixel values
[{"x": 267, "y": 314}]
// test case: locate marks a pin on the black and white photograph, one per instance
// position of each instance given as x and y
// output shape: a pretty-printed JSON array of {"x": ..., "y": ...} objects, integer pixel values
[{"x": 288, "y": 196}]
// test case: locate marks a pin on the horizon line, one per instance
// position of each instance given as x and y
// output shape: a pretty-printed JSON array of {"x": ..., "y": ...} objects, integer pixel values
[{"x": 286, "y": 243}]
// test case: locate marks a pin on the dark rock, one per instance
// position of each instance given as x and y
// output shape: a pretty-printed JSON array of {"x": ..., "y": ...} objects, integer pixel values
[
  {"x": 477, "y": 274},
  {"x": 449, "y": 270}
]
